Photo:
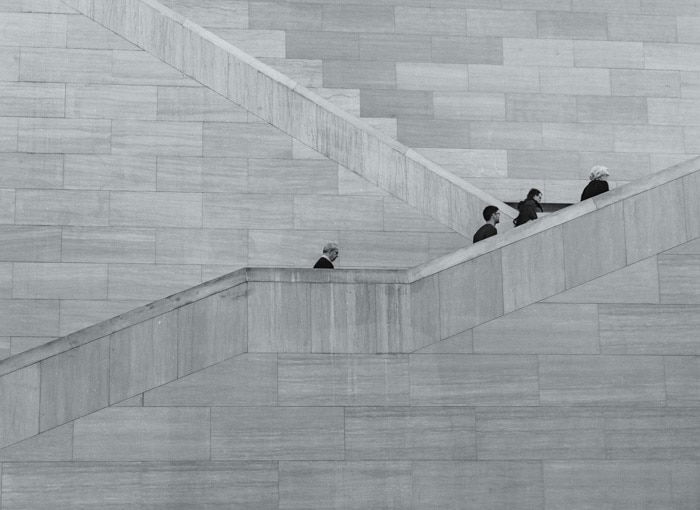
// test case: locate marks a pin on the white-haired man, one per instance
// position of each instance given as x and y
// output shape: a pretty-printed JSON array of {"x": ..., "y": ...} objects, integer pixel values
[{"x": 330, "y": 253}]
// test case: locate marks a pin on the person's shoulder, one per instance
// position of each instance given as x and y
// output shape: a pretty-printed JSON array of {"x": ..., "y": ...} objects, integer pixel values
[{"x": 323, "y": 263}]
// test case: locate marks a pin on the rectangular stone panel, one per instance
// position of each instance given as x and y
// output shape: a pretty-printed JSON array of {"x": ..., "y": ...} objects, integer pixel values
[
  {"x": 287, "y": 16},
  {"x": 575, "y": 81},
  {"x": 143, "y": 356},
  {"x": 530, "y": 433},
  {"x": 6, "y": 281},
  {"x": 396, "y": 103},
  {"x": 410, "y": 433},
  {"x": 683, "y": 57},
  {"x": 447, "y": 133},
  {"x": 62, "y": 207},
  {"x": 538, "y": 52},
  {"x": 32, "y": 99},
  {"x": 358, "y": 18},
  {"x": 211, "y": 330},
  {"x": 628, "y": 26},
  {"x": 66, "y": 65},
  {"x": 33, "y": 29},
  {"x": 277, "y": 433},
  {"x": 149, "y": 282},
  {"x": 585, "y": 260},
  {"x": 195, "y": 174},
  {"x": 74, "y": 383},
  {"x": 9, "y": 135},
  {"x": 682, "y": 380},
  {"x": 344, "y": 485},
  {"x": 292, "y": 176},
  {"x": 540, "y": 107},
  {"x": 22, "y": 170},
  {"x": 76, "y": 136},
  {"x": 321, "y": 45},
  {"x": 342, "y": 379},
  {"x": 395, "y": 47},
  {"x": 667, "y": 139},
  {"x": 201, "y": 246},
  {"x": 467, "y": 50},
  {"x": 161, "y": 137},
  {"x": 99, "y": 245},
  {"x": 235, "y": 485},
  {"x": 505, "y": 135},
  {"x": 29, "y": 317},
  {"x": 601, "y": 380},
  {"x": 649, "y": 329},
  {"x": 448, "y": 485},
  {"x": 195, "y": 104},
  {"x": 111, "y": 101},
  {"x": 574, "y": 136},
  {"x": 431, "y": 21},
  {"x": 609, "y": 6},
  {"x": 248, "y": 211},
  {"x": 245, "y": 380},
  {"x": 332, "y": 212},
  {"x": 159, "y": 209},
  {"x": 571, "y": 25},
  {"x": 594, "y": 484},
  {"x": 541, "y": 329},
  {"x": 19, "y": 400},
  {"x": 542, "y": 164},
  {"x": 360, "y": 74},
  {"x": 645, "y": 83},
  {"x": 109, "y": 172},
  {"x": 469, "y": 105},
  {"x": 7, "y": 206},
  {"x": 39, "y": 280},
  {"x": 510, "y": 78},
  {"x": 9, "y": 64},
  {"x": 242, "y": 140},
  {"x": 471, "y": 379},
  {"x": 492, "y": 22},
  {"x": 460, "y": 308},
  {"x": 142, "y": 434},
  {"x": 646, "y": 232},
  {"x": 668, "y": 111}
]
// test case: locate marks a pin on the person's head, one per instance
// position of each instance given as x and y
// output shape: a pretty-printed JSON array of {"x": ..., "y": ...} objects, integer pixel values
[
  {"x": 492, "y": 214},
  {"x": 535, "y": 194},
  {"x": 598, "y": 173},
  {"x": 331, "y": 251}
]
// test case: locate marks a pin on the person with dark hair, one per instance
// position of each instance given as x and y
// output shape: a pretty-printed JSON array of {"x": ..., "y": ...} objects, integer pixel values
[
  {"x": 330, "y": 253},
  {"x": 598, "y": 184},
  {"x": 492, "y": 216},
  {"x": 527, "y": 209}
]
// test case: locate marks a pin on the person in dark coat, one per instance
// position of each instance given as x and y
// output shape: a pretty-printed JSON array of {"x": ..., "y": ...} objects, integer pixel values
[
  {"x": 599, "y": 184},
  {"x": 527, "y": 209},
  {"x": 492, "y": 216},
  {"x": 330, "y": 253}
]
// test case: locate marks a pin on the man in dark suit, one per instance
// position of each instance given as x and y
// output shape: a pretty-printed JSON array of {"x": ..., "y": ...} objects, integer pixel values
[{"x": 330, "y": 253}]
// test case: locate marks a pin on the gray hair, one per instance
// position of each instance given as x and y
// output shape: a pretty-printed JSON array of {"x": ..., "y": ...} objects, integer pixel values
[
  {"x": 597, "y": 172},
  {"x": 329, "y": 247}
]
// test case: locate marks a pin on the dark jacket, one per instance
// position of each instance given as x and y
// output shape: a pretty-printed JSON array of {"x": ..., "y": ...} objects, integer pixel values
[
  {"x": 484, "y": 232},
  {"x": 323, "y": 263},
  {"x": 594, "y": 188},
  {"x": 527, "y": 211}
]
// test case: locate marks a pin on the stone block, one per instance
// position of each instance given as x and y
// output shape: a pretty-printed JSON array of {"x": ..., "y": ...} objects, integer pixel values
[
  {"x": 410, "y": 433},
  {"x": 541, "y": 329},
  {"x": 277, "y": 433},
  {"x": 33, "y": 29},
  {"x": 362, "y": 74},
  {"x": 245, "y": 380},
  {"x": 23, "y": 170},
  {"x": 575, "y": 81},
  {"x": 98, "y": 245},
  {"x": 607, "y": 6},
  {"x": 288, "y": 16},
  {"x": 75, "y": 136},
  {"x": 649, "y": 329},
  {"x": 669, "y": 111},
  {"x": 473, "y": 380},
  {"x": 196, "y": 174},
  {"x": 469, "y": 105},
  {"x": 576, "y": 136},
  {"x": 533, "y": 269},
  {"x": 242, "y": 140},
  {"x": 430, "y": 21},
  {"x": 500, "y": 23},
  {"x": 74, "y": 383},
  {"x": 530, "y": 433},
  {"x": 108, "y": 172},
  {"x": 288, "y": 328},
  {"x": 645, "y": 83},
  {"x": 248, "y": 211},
  {"x": 62, "y": 207},
  {"x": 159, "y": 209},
  {"x": 505, "y": 135},
  {"x": 29, "y": 317},
  {"x": 467, "y": 50},
  {"x": 342, "y": 380},
  {"x": 540, "y": 107},
  {"x": 358, "y": 18},
  {"x": 682, "y": 57},
  {"x": 462, "y": 309},
  {"x": 682, "y": 375},
  {"x": 612, "y": 110},
  {"x": 143, "y": 434},
  {"x": 196, "y": 104},
  {"x": 212, "y": 330},
  {"x": 32, "y": 99},
  {"x": 197, "y": 246},
  {"x": 396, "y": 103},
  {"x": 508, "y": 78},
  {"x": 143, "y": 356},
  {"x": 9, "y": 64},
  {"x": 67, "y": 65},
  {"x": 157, "y": 138},
  {"x": 322, "y": 45},
  {"x": 395, "y": 47},
  {"x": 149, "y": 282},
  {"x": 646, "y": 232},
  {"x": 628, "y": 26},
  {"x": 601, "y": 380},
  {"x": 292, "y": 176},
  {"x": 111, "y": 101},
  {"x": 337, "y": 212},
  {"x": 30, "y": 244},
  {"x": 39, "y": 280},
  {"x": 538, "y": 52},
  {"x": 571, "y": 25},
  {"x": 142, "y": 68},
  {"x": 678, "y": 278},
  {"x": 19, "y": 399},
  {"x": 349, "y": 485}
]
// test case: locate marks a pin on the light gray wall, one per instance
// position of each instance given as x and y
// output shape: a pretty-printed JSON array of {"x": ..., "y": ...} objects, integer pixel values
[{"x": 507, "y": 94}]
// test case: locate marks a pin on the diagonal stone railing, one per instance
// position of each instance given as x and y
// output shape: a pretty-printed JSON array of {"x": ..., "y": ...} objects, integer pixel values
[
  {"x": 345, "y": 311},
  {"x": 296, "y": 111}
]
